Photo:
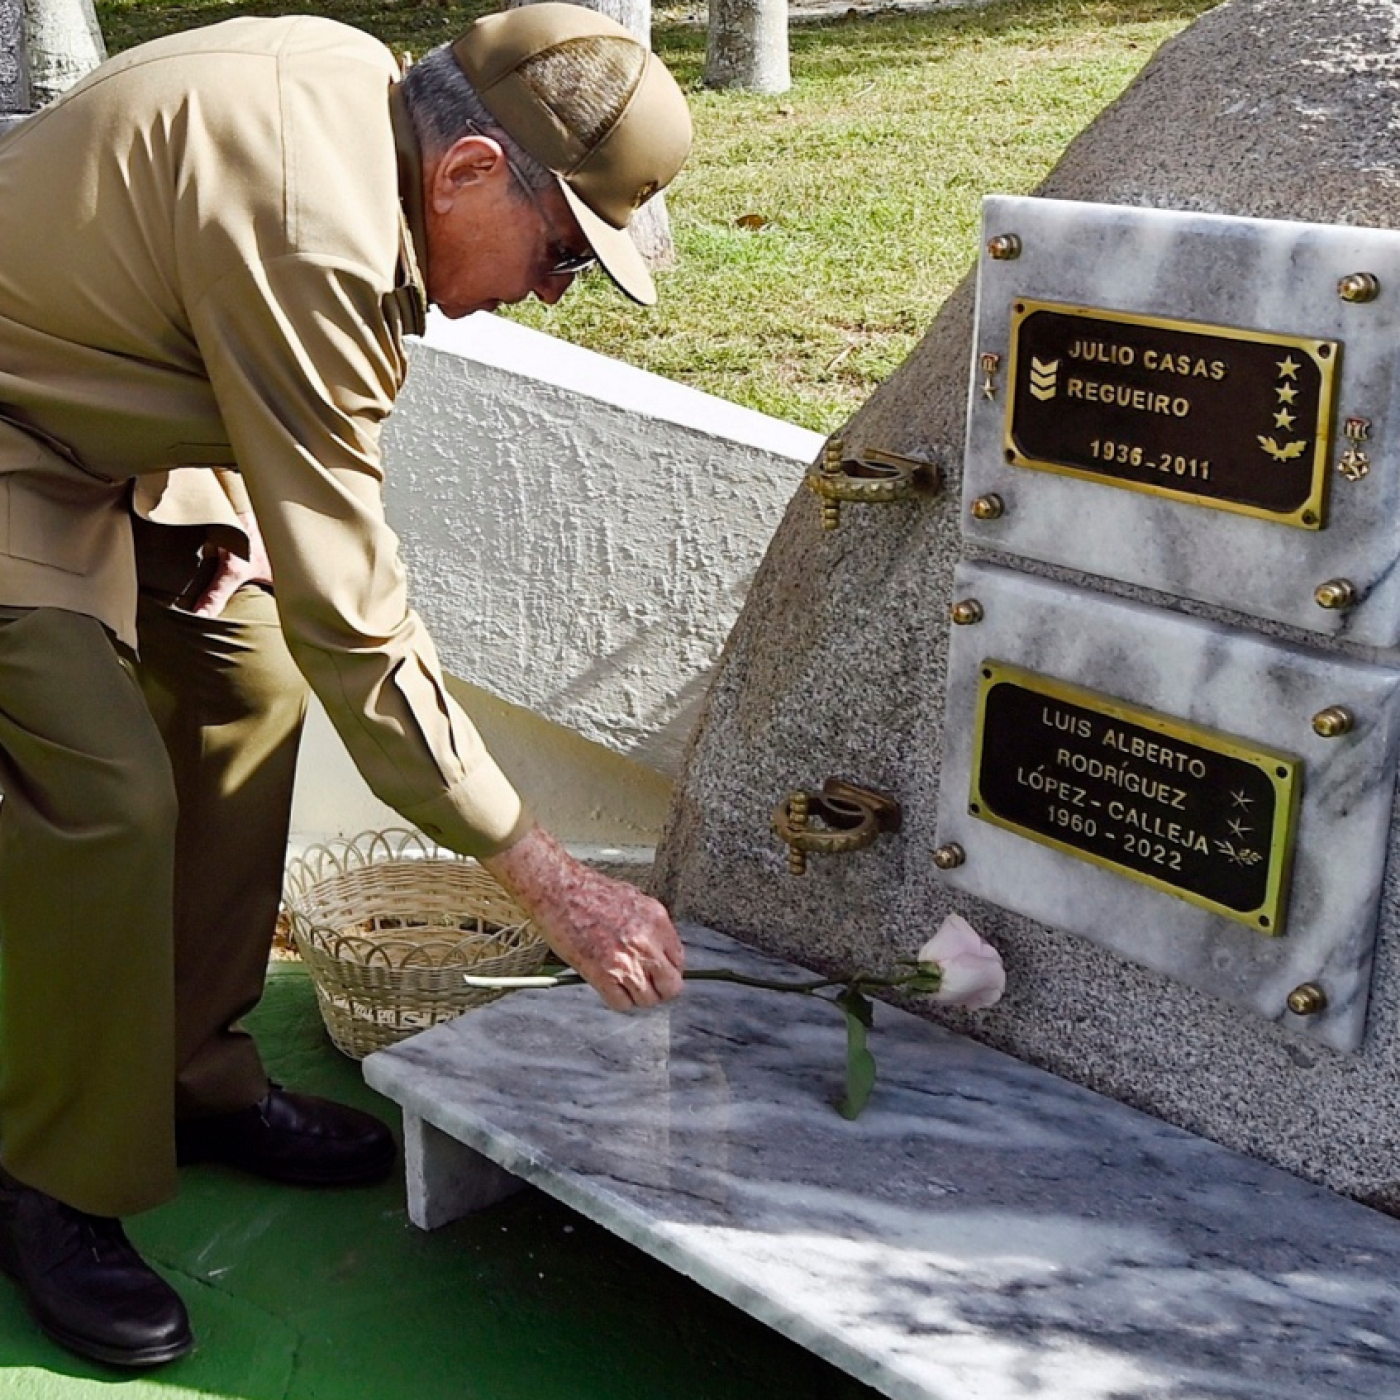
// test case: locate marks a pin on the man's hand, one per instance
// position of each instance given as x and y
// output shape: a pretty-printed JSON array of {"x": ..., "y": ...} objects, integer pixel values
[
  {"x": 620, "y": 940},
  {"x": 233, "y": 572}
]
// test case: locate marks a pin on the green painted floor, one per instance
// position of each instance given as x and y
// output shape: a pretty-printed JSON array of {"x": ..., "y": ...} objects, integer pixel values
[{"x": 302, "y": 1295}]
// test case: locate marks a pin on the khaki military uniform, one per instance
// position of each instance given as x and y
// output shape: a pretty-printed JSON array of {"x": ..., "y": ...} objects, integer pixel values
[{"x": 205, "y": 265}]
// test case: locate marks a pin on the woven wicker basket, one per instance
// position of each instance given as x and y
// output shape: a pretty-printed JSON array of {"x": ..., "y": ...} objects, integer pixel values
[{"x": 387, "y": 923}]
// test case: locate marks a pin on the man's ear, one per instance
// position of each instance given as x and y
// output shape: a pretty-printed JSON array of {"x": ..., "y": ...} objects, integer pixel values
[{"x": 468, "y": 162}]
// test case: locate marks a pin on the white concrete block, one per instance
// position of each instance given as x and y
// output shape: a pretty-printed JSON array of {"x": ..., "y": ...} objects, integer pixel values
[{"x": 580, "y": 533}]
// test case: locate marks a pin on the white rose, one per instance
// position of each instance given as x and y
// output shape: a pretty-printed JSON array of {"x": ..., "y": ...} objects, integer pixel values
[{"x": 970, "y": 968}]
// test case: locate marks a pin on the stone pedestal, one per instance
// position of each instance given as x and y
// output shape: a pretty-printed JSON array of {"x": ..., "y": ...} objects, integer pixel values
[{"x": 982, "y": 1230}]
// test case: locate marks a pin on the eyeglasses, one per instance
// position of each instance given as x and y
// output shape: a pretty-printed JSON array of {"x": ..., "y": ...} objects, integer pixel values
[{"x": 565, "y": 261}]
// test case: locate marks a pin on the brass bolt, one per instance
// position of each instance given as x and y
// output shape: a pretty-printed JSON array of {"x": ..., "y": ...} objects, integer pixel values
[
  {"x": 798, "y": 805},
  {"x": 1004, "y": 247},
  {"x": 1337, "y": 594},
  {"x": 832, "y": 454},
  {"x": 1359, "y": 286},
  {"x": 988, "y": 507},
  {"x": 1332, "y": 722},
  {"x": 1307, "y": 999},
  {"x": 949, "y": 857},
  {"x": 966, "y": 612}
]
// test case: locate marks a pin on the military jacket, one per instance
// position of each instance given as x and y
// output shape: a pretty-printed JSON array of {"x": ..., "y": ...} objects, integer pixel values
[{"x": 204, "y": 263}]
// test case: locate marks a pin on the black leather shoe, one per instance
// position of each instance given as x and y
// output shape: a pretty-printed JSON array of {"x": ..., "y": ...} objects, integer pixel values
[
  {"x": 292, "y": 1137},
  {"x": 84, "y": 1283}
]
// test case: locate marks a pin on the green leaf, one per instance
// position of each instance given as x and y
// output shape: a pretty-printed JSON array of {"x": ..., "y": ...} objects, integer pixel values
[
  {"x": 854, "y": 1004},
  {"x": 860, "y": 1063}
]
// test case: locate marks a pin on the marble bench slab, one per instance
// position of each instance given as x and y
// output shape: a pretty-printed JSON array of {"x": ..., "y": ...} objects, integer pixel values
[{"x": 984, "y": 1231}]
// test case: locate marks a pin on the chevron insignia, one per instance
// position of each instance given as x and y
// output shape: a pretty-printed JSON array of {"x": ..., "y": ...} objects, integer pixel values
[{"x": 1044, "y": 375}]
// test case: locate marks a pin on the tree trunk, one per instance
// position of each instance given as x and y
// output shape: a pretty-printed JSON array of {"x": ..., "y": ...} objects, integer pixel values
[
  {"x": 651, "y": 225},
  {"x": 14, "y": 70},
  {"x": 63, "y": 42},
  {"x": 747, "y": 45}
]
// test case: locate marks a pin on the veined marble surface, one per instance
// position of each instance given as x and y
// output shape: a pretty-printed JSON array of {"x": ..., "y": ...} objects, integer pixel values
[
  {"x": 984, "y": 1231},
  {"x": 1223, "y": 679},
  {"x": 1254, "y": 274}
]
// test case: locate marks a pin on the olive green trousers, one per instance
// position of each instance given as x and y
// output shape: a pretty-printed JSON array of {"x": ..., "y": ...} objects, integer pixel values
[{"x": 142, "y": 838}]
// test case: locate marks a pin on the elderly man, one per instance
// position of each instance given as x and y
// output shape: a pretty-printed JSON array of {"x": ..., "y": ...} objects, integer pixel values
[{"x": 213, "y": 249}]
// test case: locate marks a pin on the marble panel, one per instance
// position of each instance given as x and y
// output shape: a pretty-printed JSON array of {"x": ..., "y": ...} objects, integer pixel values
[
  {"x": 445, "y": 1180},
  {"x": 1256, "y": 276},
  {"x": 1260, "y": 693},
  {"x": 983, "y": 1230}
]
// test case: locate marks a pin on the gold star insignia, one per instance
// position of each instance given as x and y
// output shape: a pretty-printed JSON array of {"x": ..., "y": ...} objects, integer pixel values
[
  {"x": 1288, "y": 368},
  {"x": 1286, "y": 393},
  {"x": 1284, "y": 419}
]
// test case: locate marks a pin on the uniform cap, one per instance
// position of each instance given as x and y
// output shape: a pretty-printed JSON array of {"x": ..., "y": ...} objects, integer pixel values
[{"x": 593, "y": 105}]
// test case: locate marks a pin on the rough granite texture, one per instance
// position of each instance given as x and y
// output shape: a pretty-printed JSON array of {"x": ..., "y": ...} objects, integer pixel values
[
  {"x": 1264, "y": 108},
  {"x": 14, "y": 73}
]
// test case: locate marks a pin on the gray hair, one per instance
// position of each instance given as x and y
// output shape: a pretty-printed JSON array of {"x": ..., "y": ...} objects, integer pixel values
[{"x": 445, "y": 107}]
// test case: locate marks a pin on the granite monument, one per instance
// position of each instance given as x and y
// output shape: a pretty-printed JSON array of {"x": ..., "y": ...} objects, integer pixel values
[{"x": 1124, "y": 581}]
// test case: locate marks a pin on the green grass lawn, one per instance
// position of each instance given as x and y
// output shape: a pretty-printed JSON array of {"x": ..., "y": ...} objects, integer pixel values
[{"x": 867, "y": 177}]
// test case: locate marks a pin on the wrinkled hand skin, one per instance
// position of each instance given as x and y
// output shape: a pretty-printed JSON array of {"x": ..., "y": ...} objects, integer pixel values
[
  {"x": 233, "y": 571},
  {"x": 621, "y": 941}
]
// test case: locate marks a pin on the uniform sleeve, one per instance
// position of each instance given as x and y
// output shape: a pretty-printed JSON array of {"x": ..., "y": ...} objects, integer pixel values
[{"x": 305, "y": 358}]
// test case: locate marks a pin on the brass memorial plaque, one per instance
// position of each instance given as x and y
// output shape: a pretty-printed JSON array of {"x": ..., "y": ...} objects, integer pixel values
[
  {"x": 1231, "y": 419},
  {"x": 1200, "y": 814}
]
